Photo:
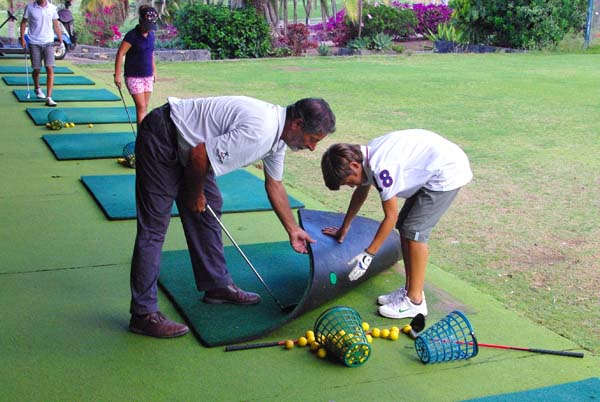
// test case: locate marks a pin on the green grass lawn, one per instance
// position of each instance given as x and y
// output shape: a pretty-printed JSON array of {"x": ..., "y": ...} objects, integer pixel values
[{"x": 526, "y": 229}]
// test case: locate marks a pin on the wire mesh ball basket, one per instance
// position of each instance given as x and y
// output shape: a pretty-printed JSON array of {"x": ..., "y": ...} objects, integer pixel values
[
  {"x": 129, "y": 154},
  {"x": 339, "y": 330},
  {"x": 451, "y": 338}
]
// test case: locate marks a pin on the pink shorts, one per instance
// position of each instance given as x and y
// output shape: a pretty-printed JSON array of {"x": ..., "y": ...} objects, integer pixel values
[{"x": 139, "y": 85}]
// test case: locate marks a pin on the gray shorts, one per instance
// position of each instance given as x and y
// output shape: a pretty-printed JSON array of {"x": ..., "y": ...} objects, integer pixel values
[
  {"x": 421, "y": 212},
  {"x": 41, "y": 53}
]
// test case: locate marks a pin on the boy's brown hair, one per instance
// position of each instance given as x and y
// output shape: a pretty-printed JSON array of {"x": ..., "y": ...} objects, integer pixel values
[{"x": 335, "y": 163}]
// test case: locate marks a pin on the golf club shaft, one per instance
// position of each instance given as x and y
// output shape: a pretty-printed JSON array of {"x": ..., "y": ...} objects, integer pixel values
[
  {"x": 233, "y": 348},
  {"x": 244, "y": 255},
  {"x": 532, "y": 350},
  {"x": 126, "y": 110}
]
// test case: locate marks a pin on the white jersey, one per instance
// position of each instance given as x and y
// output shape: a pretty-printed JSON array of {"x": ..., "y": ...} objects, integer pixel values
[
  {"x": 237, "y": 131},
  {"x": 40, "y": 22},
  {"x": 402, "y": 162}
]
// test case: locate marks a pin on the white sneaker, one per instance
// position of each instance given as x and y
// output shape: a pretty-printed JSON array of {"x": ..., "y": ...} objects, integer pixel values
[
  {"x": 403, "y": 308},
  {"x": 390, "y": 297},
  {"x": 39, "y": 94},
  {"x": 50, "y": 102}
]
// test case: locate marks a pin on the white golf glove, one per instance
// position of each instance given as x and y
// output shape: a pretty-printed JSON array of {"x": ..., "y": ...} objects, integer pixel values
[{"x": 359, "y": 265}]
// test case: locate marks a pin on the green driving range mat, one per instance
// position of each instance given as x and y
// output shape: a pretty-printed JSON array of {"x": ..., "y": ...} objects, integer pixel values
[
  {"x": 21, "y": 70},
  {"x": 285, "y": 272},
  {"x": 88, "y": 146},
  {"x": 84, "y": 115},
  {"x": 58, "y": 80},
  {"x": 299, "y": 281},
  {"x": 586, "y": 390},
  {"x": 241, "y": 191},
  {"x": 69, "y": 95}
]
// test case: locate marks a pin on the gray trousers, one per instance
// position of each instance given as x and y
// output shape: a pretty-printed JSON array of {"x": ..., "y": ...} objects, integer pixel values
[{"x": 160, "y": 181}]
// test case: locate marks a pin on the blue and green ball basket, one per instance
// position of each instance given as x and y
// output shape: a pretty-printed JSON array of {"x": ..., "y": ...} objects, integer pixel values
[
  {"x": 451, "y": 338},
  {"x": 340, "y": 330}
]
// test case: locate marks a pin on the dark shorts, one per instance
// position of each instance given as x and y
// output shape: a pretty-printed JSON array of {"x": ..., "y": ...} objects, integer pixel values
[
  {"x": 421, "y": 212},
  {"x": 41, "y": 53}
]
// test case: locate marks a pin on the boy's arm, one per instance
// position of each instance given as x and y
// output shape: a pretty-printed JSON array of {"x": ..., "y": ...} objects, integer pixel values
[
  {"x": 358, "y": 198},
  {"x": 361, "y": 262},
  {"x": 57, "y": 31},
  {"x": 390, "y": 210}
]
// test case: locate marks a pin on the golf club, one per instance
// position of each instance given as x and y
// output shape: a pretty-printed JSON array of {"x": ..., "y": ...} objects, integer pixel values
[
  {"x": 27, "y": 72},
  {"x": 416, "y": 325},
  {"x": 129, "y": 148},
  {"x": 532, "y": 350},
  {"x": 283, "y": 308}
]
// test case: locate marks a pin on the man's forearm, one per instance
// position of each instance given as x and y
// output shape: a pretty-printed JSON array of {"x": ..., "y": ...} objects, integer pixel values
[{"x": 281, "y": 205}]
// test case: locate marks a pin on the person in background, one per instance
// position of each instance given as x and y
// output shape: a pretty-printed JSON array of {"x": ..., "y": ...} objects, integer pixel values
[
  {"x": 137, "y": 48},
  {"x": 41, "y": 18}
]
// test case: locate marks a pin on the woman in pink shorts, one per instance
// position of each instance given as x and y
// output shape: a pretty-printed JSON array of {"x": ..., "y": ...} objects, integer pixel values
[{"x": 137, "y": 48}]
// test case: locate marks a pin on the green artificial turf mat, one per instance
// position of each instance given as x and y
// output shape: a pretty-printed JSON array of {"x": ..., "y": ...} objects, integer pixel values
[
  {"x": 84, "y": 115},
  {"x": 298, "y": 282},
  {"x": 88, "y": 146},
  {"x": 241, "y": 191},
  {"x": 578, "y": 391},
  {"x": 286, "y": 273},
  {"x": 21, "y": 70},
  {"x": 69, "y": 95},
  {"x": 58, "y": 80}
]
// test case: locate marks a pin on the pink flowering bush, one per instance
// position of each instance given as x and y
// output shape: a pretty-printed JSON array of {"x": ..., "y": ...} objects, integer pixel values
[
  {"x": 398, "y": 20},
  {"x": 104, "y": 24}
]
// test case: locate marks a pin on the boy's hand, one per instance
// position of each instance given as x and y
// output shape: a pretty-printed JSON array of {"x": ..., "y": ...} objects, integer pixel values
[
  {"x": 360, "y": 264},
  {"x": 335, "y": 232}
]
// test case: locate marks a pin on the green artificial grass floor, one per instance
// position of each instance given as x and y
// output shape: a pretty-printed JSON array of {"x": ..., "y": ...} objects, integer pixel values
[{"x": 64, "y": 295}]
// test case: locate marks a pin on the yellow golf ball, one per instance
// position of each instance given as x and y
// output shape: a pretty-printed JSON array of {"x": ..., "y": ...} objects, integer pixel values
[
  {"x": 302, "y": 341},
  {"x": 369, "y": 339},
  {"x": 309, "y": 334},
  {"x": 365, "y": 326},
  {"x": 289, "y": 344},
  {"x": 406, "y": 329},
  {"x": 314, "y": 346},
  {"x": 322, "y": 353},
  {"x": 90, "y": 125},
  {"x": 376, "y": 332},
  {"x": 385, "y": 333},
  {"x": 393, "y": 335},
  {"x": 394, "y": 329}
]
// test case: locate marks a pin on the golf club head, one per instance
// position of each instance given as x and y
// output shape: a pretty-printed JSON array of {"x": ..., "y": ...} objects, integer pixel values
[{"x": 418, "y": 323}]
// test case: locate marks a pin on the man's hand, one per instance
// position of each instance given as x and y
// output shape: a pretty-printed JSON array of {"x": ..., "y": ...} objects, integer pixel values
[
  {"x": 196, "y": 202},
  {"x": 335, "y": 232},
  {"x": 359, "y": 265},
  {"x": 299, "y": 239}
]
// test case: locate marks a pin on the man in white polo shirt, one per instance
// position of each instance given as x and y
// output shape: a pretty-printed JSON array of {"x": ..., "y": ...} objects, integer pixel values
[
  {"x": 42, "y": 19},
  {"x": 180, "y": 148},
  {"x": 418, "y": 165}
]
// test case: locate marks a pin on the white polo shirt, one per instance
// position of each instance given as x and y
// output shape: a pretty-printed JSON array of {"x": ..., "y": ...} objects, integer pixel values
[
  {"x": 237, "y": 131},
  {"x": 39, "y": 20},
  {"x": 402, "y": 162}
]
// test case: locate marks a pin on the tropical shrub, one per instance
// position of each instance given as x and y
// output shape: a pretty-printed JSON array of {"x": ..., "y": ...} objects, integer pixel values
[
  {"x": 229, "y": 34},
  {"x": 526, "y": 24},
  {"x": 397, "y": 22},
  {"x": 298, "y": 39},
  {"x": 335, "y": 29},
  {"x": 381, "y": 42}
]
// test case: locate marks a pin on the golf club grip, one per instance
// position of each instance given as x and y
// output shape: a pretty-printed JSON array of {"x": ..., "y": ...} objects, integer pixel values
[
  {"x": 233, "y": 348},
  {"x": 556, "y": 352}
]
